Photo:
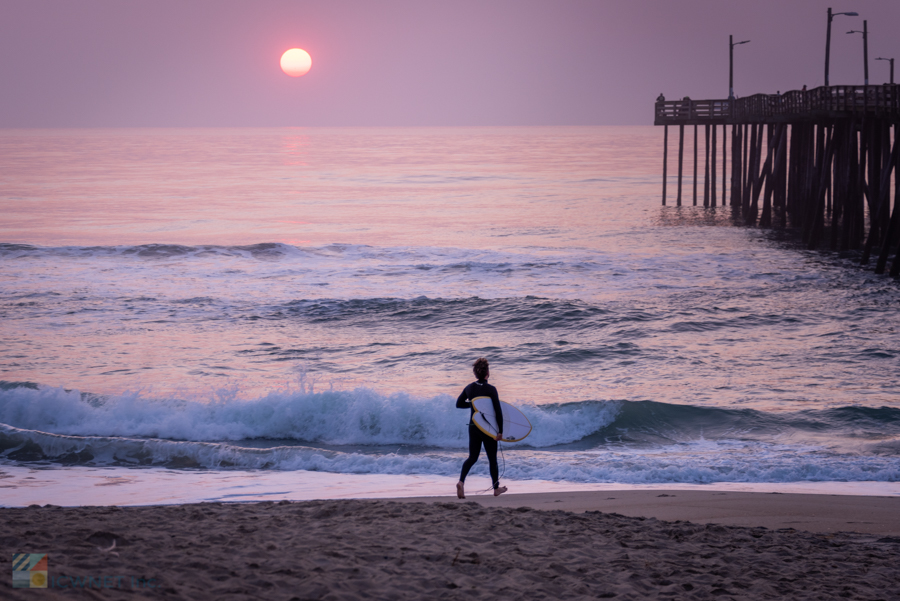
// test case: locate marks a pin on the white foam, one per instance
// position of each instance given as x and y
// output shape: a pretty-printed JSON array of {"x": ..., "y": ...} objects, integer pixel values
[
  {"x": 355, "y": 417},
  {"x": 82, "y": 486},
  {"x": 356, "y": 426},
  {"x": 695, "y": 463}
]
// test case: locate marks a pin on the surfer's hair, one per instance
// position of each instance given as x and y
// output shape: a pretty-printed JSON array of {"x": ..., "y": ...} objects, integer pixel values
[{"x": 481, "y": 368}]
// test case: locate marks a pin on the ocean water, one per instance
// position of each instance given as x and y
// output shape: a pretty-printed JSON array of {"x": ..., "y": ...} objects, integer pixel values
[{"x": 311, "y": 301}]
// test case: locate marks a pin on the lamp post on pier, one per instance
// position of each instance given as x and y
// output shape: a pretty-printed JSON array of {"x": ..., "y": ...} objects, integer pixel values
[
  {"x": 892, "y": 66},
  {"x": 865, "y": 33},
  {"x": 731, "y": 45},
  {"x": 828, "y": 38}
]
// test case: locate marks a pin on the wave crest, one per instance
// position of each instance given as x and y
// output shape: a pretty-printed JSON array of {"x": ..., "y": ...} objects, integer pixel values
[{"x": 355, "y": 417}]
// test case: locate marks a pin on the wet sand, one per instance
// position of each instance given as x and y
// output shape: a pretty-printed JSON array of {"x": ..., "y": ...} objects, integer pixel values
[
  {"x": 811, "y": 512},
  {"x": 536, "y": 546}
]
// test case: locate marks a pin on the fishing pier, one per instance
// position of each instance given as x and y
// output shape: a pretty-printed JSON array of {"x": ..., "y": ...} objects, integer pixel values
[{"x": 819, "y": 161}]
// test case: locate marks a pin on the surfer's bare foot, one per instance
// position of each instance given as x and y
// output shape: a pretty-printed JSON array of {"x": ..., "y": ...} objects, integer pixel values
[
  {"x": 499, "y": 491},
  {"x": 460, "y": 490}
]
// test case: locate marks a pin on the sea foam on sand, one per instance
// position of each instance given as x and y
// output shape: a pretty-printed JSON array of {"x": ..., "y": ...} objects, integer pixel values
[{"x": 22, "y": 485}]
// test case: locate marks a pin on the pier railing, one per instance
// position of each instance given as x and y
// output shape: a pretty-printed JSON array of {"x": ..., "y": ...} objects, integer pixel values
[{"x": 829, "y": 102}]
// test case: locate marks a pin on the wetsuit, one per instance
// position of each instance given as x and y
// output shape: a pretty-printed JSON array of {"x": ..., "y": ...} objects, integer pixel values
[{"x": 477, "y": 438}]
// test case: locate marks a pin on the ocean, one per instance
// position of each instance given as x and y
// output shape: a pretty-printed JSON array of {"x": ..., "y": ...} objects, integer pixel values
[{"x": 305, "y": 304}]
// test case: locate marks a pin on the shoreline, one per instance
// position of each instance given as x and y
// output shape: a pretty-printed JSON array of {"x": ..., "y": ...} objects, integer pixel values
[
  {"x": 75, "y": 486},
  {"x": 863, "y": 507}
]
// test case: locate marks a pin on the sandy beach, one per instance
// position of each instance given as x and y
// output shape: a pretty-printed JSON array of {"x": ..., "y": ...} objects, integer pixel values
[{"x": 532, "y": 546}]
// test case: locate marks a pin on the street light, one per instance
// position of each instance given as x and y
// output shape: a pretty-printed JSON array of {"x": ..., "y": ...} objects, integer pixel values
[
  {"x": 892, "y": 66},
  {"x": 731, "y": 45},
  {"x": 865, "y": 33},
  {"x": 828, "y": 38}
]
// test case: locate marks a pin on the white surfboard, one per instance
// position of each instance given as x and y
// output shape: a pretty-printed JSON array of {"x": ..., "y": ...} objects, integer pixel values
[{"x": 515, "y": 425}]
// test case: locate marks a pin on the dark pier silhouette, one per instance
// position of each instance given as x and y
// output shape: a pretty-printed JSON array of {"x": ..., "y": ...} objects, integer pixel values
[{"x": 819, "y": 160}]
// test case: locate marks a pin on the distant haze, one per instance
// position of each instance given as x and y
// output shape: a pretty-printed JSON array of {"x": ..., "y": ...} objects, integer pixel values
[{"x": 204, "y": 63}]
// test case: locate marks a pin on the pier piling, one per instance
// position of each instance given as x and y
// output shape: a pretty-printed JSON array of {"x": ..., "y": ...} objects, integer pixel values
[
  {"x": 706, "y": 168},
  {"x": 695, "y": 164},
  {"x": 712, "y": 169},
  {"x": 665, "y": 162},
  {"x": 680, "y": 161}
]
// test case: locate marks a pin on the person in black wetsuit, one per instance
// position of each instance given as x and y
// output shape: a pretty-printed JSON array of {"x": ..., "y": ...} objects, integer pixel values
[{"x": 477, "y": 438}]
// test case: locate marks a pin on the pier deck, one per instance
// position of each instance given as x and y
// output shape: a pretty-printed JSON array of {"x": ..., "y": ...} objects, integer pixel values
[{"x": 825, "y": 103}]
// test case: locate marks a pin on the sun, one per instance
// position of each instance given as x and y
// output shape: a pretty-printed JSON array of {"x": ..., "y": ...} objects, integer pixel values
[{"x": 296, "y": 62}]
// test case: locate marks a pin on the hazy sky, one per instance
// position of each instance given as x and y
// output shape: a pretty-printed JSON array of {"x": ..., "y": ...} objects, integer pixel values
[{"x": 75, "y": 63}]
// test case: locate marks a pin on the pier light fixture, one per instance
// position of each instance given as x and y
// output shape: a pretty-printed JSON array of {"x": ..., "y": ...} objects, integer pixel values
[
  {"x": 831, "y": 16},
  {"x": 892, "y": 66},
  {"x": 865, "y": 34},
  {"x": 731, "y": 45}
]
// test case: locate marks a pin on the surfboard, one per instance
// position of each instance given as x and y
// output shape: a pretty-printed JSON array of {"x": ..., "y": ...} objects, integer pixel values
[{"x": 515, "y": 425}]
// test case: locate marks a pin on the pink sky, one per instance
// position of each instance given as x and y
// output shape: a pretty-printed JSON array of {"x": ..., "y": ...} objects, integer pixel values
[{"x": 79, "y": 63}]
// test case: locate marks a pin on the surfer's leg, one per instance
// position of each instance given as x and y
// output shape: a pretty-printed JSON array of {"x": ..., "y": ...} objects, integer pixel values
[
  {"x": 474, "y": 450},
  {"x": 490, "y": 449}
]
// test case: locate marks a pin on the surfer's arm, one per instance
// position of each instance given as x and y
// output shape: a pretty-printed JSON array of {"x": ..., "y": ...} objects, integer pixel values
[
  {"x": 463, "y": 401},
  {"x": 498, "y": 411}
]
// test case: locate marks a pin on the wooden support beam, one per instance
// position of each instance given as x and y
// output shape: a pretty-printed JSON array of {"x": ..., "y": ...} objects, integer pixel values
[
  {"x": 749, "y": 148},
  {"x": 842, "y": 190},
  {"x": 848, "y": 202},
  {"x": 745, "y": 167},
  {"x": 665, "y": 161},
  {"x": 706, "y": 170},
  {"x": 884, "y": 201},
  {"x": 734, "y": 145},
  {"x": 895, "y": 266},
  {"x": 695, "y": 165},
  {"x": 810, "y": 206},
  {"x": 839, "y": 176},
  {"x": 873, "y": 148},
  {"x": 773, "y": 144},
  {"x": 859, "y": 195},
  {"x": 712, "y": 170},
  {"x": 853, "y": 205},
  {"x": 809, "y": 177},
  {"x": 736, "y": 165},
  {"x": 780, "y": 199},
  {"x": 886, "y": 165},
  {"x": 680, "y": 160},
  {"x": 724, "y": 162},
  {"x": 756, "y": 179},
  {"x": 823, "y": 170},
  {"x": 793, "y": 176}
]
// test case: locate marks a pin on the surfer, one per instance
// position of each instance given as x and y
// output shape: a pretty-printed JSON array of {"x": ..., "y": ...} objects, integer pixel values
[{"x": 477, "y": 438}]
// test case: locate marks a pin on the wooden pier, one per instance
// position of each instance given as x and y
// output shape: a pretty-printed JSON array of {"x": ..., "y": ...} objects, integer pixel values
[{"x": 820, "y": 161}]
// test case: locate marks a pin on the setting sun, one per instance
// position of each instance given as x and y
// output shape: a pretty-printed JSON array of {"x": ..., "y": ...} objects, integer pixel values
[{"x": 296, "y": 62}]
